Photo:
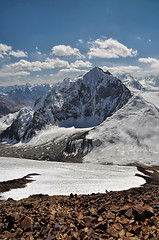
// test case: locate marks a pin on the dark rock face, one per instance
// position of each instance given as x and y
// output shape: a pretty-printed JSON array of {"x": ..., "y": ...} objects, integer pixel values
[
  {"x": 78, "y": 146},
  {"x": 83, "y": 102}
]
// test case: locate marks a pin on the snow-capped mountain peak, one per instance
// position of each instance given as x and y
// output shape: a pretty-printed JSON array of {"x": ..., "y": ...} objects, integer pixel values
[{"x": 85, "y": 101}]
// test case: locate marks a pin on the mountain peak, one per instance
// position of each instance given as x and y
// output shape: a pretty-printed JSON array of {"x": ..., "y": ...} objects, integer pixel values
[
  {"x": 98, "y": 69},
  {"x": 107, "y": 72},
  {"x": 82, "y": 102}
]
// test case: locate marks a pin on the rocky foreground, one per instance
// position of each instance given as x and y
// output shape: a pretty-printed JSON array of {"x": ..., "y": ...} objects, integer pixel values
[{"x": 131, "y": 214}]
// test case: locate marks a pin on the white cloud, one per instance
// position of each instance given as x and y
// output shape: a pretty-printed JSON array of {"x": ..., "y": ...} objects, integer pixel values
[
  {"x": 7, "y": 50},
  {"x": 18, "y": 53},
  {"x": 51, "y": 63},
  {"x": 80, "y": 41},
  {"x": 23, "y": 64},
  {"x": 6, "y": 71},
  {"x": 122, "y": 69},
  {"x": 63, "y": 50},
  {"x": 110, "y": 48},
  {"x": 153, "y": 62},
  {"x": 4, "y": 49},
  {"x": 22, "y": 67},
  {"x": 148, "y": 60},
  {"x": 71, "y": 70},
  {"x": 22, "y": 73},
  {"x": 80, "y": 63}
]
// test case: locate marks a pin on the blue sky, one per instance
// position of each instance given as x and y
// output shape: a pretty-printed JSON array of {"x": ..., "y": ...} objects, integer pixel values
[{"x": 48, "y": 40}]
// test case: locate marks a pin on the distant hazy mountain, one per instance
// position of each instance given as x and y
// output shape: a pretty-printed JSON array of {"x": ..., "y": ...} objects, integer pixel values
[
  {"x": 13, "y": 98},
  {"x": 131, "y": 82},
  {"x": 146, "y": 83}
]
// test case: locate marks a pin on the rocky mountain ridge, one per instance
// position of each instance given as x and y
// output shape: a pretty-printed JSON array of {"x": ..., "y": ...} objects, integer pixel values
[{"x": 82, "y": 102}]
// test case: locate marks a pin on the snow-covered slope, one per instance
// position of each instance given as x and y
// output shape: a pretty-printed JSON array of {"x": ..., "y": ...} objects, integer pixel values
[
  {"x": 82, "y": 102},
  {"x": 7, "y": 120},
  {"x": 130, "y": 135}
]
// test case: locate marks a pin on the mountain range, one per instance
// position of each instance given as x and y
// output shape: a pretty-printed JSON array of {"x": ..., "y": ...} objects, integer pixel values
[
  {"x": 13, "y": 98},
  {"x": 94, "y": 117},
  {"x": 82, "y": 102}
]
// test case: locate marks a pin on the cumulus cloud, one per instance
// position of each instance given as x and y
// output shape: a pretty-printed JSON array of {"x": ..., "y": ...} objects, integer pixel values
[
  {"x": 6, "y": 71},
  {"x": 7, "y": 50},
  {"x": 153, "y": 63},
  {"x": 110, "y": 48},
  {"x": 80, "y": 63},
  {"x": 18, "y": 54},
  {"x": 51, "y": 63},
  {"x": 63, "y": 50},
  {"x": 72, "y": 70},
  {"x": 148, "y": 60},
  {"x": 22, "y": 67},
  {"x": 4, "y": 49},
  {"x": 116, "y": 70},
  {"x": 23, "y": 64}
]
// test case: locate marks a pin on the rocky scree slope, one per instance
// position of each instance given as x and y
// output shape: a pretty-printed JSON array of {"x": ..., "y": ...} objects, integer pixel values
[{"x": 85, "y": 101}]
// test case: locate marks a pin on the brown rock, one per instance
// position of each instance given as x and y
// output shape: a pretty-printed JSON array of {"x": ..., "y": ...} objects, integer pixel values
[
  {"x": 141, "y": 212},
  {"x": 129, "y": 228},
  {"x": 27, "y": 223},
  {"x": 89, "y": 219},
  {"x": 93, "y": 211},
  {"x": 101, "y": 225},
  {"x": 123, "y": 209},
  {"x": 72, "y": 225},
  {"x": 129, "y": 213},
  {"x": 90, "y": 232},
  {"x": 100, "y": 219},
  {"x": 101, "y": 209},
  {"x": 123, "y": 220},
  {"x": 129, "y": 235},
  {"x": 80, "y": 224},
  {"x": 110, "y": 214},
  {"x": 18, "y": 232},
  {"x": 122, "y": 233},
  {"x": 118, "y": 226},
  {"x": 80, "y": 216},
  {"x": 136, "y": 229},
  {"x": 112, "y": 231}
]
